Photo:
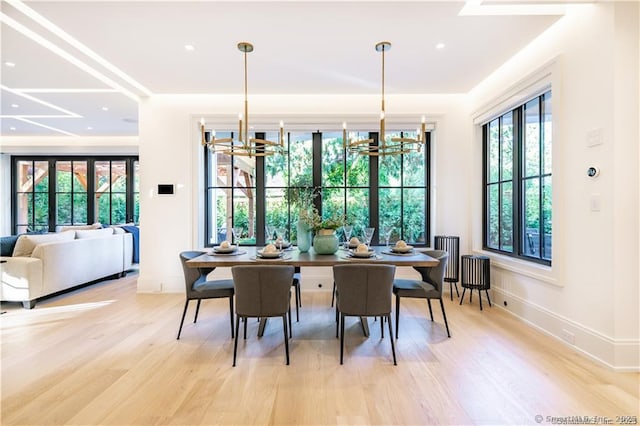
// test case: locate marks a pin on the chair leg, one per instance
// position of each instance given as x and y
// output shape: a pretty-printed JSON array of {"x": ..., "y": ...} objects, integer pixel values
[
  {"x": 462, "y": 298},
  {"x": 290, "y": 327},
  {"x": 397, "y": 314},
  {"x": 235, "y": 341},
  {"x": 297, "y": 291},
  {"x": 246, "y": 320},
  {"x": 457, "y": 292},
  {"x": 381, "y": 328},
  {"x": 231, "y": 314},
  {"x": 286, "y": 337},
  {"x": 184, "y": 312},
  {"x": 341, "y": 337},
  {"x": 197, "y": 310},
  {"x": 393, "y": 347},
  {"x": 337, "y": 323},
  {"x": 479, "y": 296},
  {"x": 299, "y": 294},
  {"x": 488, "y": 299},
  {"x": 430, "y": 310},
  {"x": 333, "y": 293},
  {"x": 446, "y": 324},
  {"x": 451, "y": 290}
]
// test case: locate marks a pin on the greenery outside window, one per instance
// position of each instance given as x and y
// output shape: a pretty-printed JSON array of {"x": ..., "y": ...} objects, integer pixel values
[
  {"x": 49, "y": 192},
  {"x": 517, "y": 181},
  {"x": 253, "y": 193}
]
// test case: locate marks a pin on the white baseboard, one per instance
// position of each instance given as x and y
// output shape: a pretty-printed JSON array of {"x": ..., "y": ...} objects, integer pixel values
[{"x": 622, "y": 355}]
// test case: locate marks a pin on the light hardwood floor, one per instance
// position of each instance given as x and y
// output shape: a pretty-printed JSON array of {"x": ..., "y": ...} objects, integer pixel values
[{"x": 107, "y": 355}]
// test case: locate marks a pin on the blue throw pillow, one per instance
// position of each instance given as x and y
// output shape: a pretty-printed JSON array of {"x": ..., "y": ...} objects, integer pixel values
[{"x": 7, "y": 244}]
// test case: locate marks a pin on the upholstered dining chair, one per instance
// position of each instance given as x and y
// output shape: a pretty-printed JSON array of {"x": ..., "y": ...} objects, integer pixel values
[
  {"x": 428, "y": 287},
  {"x": 262, "y": 291},
  {"x": 364, "y": 290},
  {"x": 198, "y": 287}
]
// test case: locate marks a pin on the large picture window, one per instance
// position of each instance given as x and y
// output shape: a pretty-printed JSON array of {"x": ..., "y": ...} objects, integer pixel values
[
  {"x": 262, "y": 195},
  {"x": 517, "y": 181},
  {"x": 49, "y": 192}
]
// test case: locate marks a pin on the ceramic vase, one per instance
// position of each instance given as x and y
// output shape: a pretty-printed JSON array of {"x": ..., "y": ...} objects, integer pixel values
[
  {"x": 304, "y": 237},
  {"x": 325, "y": 242}
]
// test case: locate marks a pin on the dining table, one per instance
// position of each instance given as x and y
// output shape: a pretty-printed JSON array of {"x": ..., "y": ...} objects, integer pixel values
[{"x": 250, "y": 255}]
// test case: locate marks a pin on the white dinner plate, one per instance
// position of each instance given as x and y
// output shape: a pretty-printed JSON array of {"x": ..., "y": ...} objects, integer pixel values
[
  {"x": 406, "y": 249},
  {"x": 229, "y": 249},
  {"x": 269, "y": 255}
]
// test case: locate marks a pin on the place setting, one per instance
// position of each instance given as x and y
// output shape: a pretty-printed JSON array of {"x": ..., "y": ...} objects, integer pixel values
[
  {"x": 270, "y": 253},
  {"x": 400, "y": 248},
  {"x": 226, "y": 249}
]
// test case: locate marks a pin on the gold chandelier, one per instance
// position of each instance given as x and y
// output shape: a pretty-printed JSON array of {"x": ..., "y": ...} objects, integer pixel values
[
  {"x": 401, "y": 145},
  {"x": 243, "y": 145}
]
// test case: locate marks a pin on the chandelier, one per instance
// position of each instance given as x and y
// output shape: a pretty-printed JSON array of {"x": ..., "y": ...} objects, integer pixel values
[
  {"x": 398, "y": 145},
  {"x": 243, "y": 145}
]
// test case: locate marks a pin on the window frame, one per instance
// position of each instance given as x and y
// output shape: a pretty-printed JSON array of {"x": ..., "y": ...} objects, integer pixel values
[
  {"x": 316, "y": 183},
  {"x": 130, "y": 161},
  {"x": 518, "y": 180}
]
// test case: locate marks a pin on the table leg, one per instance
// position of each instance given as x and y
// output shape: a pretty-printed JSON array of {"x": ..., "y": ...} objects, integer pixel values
[{"x": 365, "y": 326}]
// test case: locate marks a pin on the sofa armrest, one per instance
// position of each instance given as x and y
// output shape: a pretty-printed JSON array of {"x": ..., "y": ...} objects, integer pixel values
[{"x": 22, "y": 279}]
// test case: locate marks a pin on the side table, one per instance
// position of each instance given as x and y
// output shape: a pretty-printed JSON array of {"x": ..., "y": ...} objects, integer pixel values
[{"x": 476, "y": 275}]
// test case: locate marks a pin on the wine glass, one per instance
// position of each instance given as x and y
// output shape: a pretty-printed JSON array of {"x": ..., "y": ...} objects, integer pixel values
[
  {"x": 368, "y": 235},
  {"x": 387, "y": 230},
  {"x": 237, "y": 233},
  {"x": 270, "y": 229},
  {"x": 347, "y": 229},
  {"x": 280, "y": 233}
]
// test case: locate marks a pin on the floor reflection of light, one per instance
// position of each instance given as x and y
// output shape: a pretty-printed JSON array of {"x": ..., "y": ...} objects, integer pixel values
[{"x": 54, "y": 311}]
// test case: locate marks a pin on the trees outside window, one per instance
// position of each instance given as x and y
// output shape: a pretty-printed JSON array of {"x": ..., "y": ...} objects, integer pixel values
[
  {"x": 267, "y": 193},
  {"x": 517, "y": 181},
  {"x": 49, "y": 192}
]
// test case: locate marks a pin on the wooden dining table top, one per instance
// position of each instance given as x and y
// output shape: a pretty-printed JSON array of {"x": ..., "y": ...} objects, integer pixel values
[{"x": 247, "y": 255}]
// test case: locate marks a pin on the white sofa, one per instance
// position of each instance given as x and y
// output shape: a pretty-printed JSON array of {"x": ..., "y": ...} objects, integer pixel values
[{"x": 63, "y": 260}]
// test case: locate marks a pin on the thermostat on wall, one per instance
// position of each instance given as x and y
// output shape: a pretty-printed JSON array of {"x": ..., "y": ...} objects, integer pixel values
[{"x": 165, "y": 189}]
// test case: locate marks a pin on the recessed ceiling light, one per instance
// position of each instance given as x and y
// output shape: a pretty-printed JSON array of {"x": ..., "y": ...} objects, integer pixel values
[
  {"x": 12, "y": 128},
  {"x": 14, "y": 105},
  {"x": 89, "y": 128},
  {"x": 189, "y": 47},
  {"x": 10, "y": 64},
  {"x": 440, "y": 46},
  {"x": 105, "y": 108}
]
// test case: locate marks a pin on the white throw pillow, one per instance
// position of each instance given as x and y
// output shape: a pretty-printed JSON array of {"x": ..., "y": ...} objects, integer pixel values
[
  {"x": 96, "y": 225},
  {"x": 26, "y": 243},
  {"x": 94, "y": 233}
]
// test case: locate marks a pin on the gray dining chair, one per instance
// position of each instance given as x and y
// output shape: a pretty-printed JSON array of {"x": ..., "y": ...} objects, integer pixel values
[
  {"x": 428, "y": 287},
  {"x": 364, "y": 290},
  {"x": 262, "y": 291},
  {"x": 198, "y": 287}
]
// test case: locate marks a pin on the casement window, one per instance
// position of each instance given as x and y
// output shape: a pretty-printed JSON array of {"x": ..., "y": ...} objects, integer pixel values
[{"x": 517, "y": 181}]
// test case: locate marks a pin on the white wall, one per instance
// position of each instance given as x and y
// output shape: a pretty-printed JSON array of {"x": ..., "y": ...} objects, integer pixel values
[
  {"x": 170, "y": 153},
  {"x": 590, "y": 295}
]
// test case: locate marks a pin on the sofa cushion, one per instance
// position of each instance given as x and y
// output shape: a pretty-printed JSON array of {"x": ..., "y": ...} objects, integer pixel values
[
  {"x": 7, "y": 245},
  {"x": 96, "y": 225},
  {"x": 26, "y": 243},
  {"x": 94, "y": 233}
]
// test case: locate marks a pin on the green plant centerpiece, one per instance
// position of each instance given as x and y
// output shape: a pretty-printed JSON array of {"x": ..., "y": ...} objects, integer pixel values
[{"x": 326, "y": 240}]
